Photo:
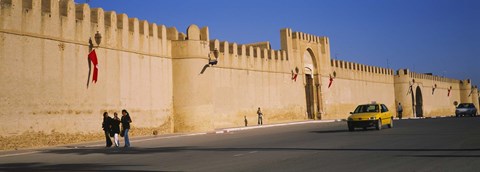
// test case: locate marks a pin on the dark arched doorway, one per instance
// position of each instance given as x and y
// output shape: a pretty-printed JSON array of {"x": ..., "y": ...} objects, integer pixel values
[
  {"x": 311, "y": 81},
  {"x": 309, "y": 96},
  {"x": 418, "y": 102},
  {"x": 413, "y": 102}
]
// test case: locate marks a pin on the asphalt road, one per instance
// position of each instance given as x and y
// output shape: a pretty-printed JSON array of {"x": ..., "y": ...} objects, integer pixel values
[{"x": 446, "y": 144}]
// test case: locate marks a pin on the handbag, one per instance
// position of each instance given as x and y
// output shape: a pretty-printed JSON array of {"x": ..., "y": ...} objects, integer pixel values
[{"x": 122, "y": 133}]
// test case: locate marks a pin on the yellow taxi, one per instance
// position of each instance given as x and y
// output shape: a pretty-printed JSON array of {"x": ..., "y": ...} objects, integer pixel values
[{"x": 370, "y": 115}]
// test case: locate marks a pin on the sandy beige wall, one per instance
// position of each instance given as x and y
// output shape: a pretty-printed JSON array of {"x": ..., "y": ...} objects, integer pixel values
[
  {"x": 247, "y": 78},
  {"x": 44, "y": 68},
  {"x": 436, "y": 101},
  {"x": 243, "y": 80},
  {"x": 352, "y": 87},
  {"x": 239, "y": 92}
]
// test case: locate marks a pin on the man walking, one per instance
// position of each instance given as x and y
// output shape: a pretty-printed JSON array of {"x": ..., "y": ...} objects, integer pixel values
[
  {"x": 260, "y": 116},
  {"x": 399, "y": 110}
]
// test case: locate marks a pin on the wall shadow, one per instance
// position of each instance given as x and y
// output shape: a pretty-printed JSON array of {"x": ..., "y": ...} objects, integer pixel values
[
  {"x": 42, "y": 167},
  {"x": 441, "y": 156},
  {"x": 330, "y": 131},
  {"x": 135, "y": 150},
  {"x": 344, "y": 131}
]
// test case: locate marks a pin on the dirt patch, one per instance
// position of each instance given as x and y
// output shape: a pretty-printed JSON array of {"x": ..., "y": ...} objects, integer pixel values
[{"x": 40, "y": 139}]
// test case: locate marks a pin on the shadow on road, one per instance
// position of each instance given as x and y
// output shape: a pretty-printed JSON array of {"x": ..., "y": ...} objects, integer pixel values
[
  {"x": 330, "y": 131},
  {"x": 60, "y": 167},
  {"x": 441, "y": 156},
  {"x": 342, "y": 131},
  {"x": 138, "y": 150}
]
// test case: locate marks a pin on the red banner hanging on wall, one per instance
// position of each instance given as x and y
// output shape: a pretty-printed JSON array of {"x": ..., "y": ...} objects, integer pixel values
[
  {"x": 93, "y": 58},
  {"x": 331, "y": 81}
]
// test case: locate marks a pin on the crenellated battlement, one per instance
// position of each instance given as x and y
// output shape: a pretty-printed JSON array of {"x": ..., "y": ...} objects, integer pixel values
[
  {"x": 65, "y": 21},
  {"x": 309, "y": 37},
  {"x": 340, "y": 64},
  {"x": 414, "y": 75},
  {"x": 247, "y": 50},
  {"x": 249, "y": 56},
  {"x": 292, "y": 40},
  {"x": 193, "y": 33}
]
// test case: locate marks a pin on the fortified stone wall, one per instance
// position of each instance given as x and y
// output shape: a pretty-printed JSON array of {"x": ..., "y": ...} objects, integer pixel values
[
  {"x": 222, "y": 95},
  {"x": 428, "y": 95},
  {"x": 311, "y": 55},
  {"x": 44, "y": 68},
  {"x": 250, "y": 77},
  {"x": 355, "y": 84},
  {"x": 164, "y": 79}
]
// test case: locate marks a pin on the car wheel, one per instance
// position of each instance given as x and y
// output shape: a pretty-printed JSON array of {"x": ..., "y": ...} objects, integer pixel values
[
  {"x": 351, "y": 128},
  {"x": 378, "y": 126},
  {"x": 391, "y": 123}
]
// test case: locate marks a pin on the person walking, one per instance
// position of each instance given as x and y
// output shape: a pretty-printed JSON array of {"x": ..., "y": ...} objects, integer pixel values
[
  {"x": 399, "y": 110},
  {"x": 126, "y": 120},
  {"x": 260, "y": 116},
  {"x": 106, "y": 125},
  {"x": 116, "y": 129}
]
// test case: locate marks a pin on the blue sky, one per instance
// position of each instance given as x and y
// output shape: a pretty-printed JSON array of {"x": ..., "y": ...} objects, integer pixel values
[{"x": 426, "y": 36}]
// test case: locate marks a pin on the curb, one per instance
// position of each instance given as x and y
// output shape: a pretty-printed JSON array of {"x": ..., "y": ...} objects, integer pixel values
[
  {"x": 227, "y": 130},
  {"x": 428, "y": 117},
  {"x": 90, "y": 144}
]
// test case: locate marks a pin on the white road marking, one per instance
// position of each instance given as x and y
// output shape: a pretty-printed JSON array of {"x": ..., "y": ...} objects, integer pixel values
[
  {"x": 156, "y": 138},
  {"x": 18, "y": 154}
]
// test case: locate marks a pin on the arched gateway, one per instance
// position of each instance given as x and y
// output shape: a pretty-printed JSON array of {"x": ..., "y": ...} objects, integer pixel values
[
  {"x": 418, "y": 102},
  {"x": 312, "y": 85}
]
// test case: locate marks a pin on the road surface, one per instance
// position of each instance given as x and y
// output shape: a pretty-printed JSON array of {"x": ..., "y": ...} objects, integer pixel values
[{"x": 444, "y": 144}]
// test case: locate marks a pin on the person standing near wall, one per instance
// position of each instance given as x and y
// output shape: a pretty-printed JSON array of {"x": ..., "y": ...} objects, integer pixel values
[
  {"x": 246, "y": 121},
  {"x": 106, "y": 125},
  {"x": 399, "y": 111},
  {"x": 260, "y": 116},
  {"x": 116, "y": 129},
  {"x": 126, "y": 120}
]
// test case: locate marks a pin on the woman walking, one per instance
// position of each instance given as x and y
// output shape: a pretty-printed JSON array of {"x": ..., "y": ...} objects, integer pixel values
[
  {"x": 116, "y": 129},
  {"x": 126, "y": 120},
  {"x": 106, "y": 125}
]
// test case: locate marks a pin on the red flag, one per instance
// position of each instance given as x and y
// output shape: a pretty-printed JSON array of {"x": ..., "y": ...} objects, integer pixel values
[
  {"x": 449, "y": 90},
  {"x": 93, "y": 57},
  {"x": 331, "y": 81}
]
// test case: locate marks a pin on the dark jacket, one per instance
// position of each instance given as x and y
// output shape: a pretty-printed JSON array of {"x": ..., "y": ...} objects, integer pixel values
[
  {"x": 107, "y": 123},
  {"x": 115, "y": 125},
  {"x": 126, "y": 120}
]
